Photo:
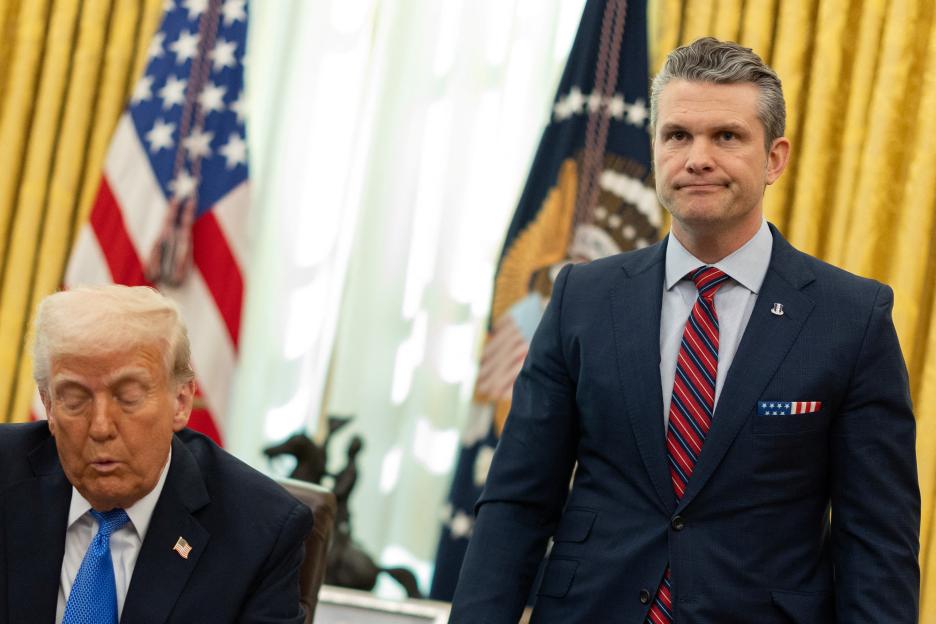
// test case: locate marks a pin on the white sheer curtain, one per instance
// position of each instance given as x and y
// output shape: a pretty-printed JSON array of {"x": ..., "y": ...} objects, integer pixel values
[{"x": 391, "y": 139}]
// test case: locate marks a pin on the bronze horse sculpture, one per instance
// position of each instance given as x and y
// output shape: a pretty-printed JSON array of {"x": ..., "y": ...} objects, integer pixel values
[{"x": 347, "y": 565}]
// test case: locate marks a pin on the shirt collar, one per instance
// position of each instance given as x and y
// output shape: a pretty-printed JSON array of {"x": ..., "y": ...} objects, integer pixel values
[
  {"x": 746, "y": 265},
  {"x": 140, "y": 512}
]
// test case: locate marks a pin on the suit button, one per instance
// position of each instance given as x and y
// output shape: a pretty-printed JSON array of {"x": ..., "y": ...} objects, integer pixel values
[
  {"x": 678, "y": 523},
  {"x": 644, "y": 596}
]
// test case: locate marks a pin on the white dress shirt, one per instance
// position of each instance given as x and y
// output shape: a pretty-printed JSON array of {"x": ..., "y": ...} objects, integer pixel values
[
  {"x": 125, "y": 543},
  {"x": 734, "y": 303}
]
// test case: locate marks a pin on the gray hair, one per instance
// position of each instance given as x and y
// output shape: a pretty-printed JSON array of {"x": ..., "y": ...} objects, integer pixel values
[
  {"x": 724, "y": 62},
  {"x": 102, "y": 319}
]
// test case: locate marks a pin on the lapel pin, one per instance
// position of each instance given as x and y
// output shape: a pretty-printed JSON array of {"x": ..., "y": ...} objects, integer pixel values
[
  {"x": 777, "y": 309},
  {"x": 182, "y": 547}
]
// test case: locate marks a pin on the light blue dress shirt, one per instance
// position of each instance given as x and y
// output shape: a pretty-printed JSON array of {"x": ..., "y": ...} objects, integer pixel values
[
  {"x": 125, "y": 543},
  {"x": 734, "y": 303}
]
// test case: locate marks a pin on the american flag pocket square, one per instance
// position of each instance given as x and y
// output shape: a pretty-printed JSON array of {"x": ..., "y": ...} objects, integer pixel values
[{"x": 787, "y": 408}]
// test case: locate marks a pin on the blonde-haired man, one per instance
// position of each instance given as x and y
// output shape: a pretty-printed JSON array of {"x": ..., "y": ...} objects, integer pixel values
[{"x": 113, "y": 510}]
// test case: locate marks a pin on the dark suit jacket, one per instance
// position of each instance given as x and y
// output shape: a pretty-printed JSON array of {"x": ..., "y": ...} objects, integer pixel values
[
  {"x": 246, "y": 535},
  {"x": 752, "y": 540}
]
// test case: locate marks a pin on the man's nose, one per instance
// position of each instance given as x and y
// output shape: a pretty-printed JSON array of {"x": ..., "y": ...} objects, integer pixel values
[
  {"x": 102, "y": 419},
  {"x": 699, "y": 159}
]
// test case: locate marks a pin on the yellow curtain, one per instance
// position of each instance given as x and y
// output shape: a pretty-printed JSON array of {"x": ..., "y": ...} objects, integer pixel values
[
  {"x": 860, "y": 83},
  {"x": 66, "y": 69}
]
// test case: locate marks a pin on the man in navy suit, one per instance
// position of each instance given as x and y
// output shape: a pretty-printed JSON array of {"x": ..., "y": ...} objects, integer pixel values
[
  {"x": 194, "y": 534},
  {"x": 733, "y": 414}
]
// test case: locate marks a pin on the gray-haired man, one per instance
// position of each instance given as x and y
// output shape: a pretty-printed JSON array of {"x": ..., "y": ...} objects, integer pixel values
[{"x": 716, "y": 393}]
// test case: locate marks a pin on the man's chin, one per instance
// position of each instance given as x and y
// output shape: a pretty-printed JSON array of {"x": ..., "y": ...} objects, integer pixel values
[
  {"x": 107, "y": 493},
  {"x": 701, "y": 215},
  {"x": 106, "y": 503}
]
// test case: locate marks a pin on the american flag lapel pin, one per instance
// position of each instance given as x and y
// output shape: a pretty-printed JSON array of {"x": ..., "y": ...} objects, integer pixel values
[
  {"x": 182, "y": 547},
  {"x": 777, "y": 309}
]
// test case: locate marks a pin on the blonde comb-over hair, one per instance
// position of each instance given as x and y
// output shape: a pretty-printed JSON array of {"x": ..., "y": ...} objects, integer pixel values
[{"x": 103, "y": 319}]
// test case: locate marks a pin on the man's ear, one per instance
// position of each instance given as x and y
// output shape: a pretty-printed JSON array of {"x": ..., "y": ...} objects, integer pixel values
[
  {"x": 777, "y": 157},
  {"x": 47, "y": 404},
  {"x": 184, "y": 398}
]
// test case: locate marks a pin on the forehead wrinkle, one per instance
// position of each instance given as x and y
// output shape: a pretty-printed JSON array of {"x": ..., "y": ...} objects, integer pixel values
[
  {"x": 128, "y": 373},
  {"x": 66, "y": 375},
  {"x": 705, "y": 118},
  {"x": 694, "y": 97}
]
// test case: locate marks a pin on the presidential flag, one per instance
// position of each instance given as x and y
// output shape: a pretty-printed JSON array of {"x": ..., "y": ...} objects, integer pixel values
[
  {"x": 171, "y": 206},
  {"x": 587, "y": 196}
]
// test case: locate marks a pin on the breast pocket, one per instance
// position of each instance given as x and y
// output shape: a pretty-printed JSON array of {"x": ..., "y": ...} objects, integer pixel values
[
  {"x": 790, "y": 424},
  {"x": 793, "y": 425}
]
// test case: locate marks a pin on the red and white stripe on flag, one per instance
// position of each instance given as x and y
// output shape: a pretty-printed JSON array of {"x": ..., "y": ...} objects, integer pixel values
[
  {"x": 174, "y": 140},
  {"x": 805, "y": 407}
]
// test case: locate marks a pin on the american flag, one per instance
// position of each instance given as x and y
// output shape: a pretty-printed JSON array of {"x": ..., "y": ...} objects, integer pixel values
[
  {"x": 182, "y": 136},
  {"x": 182, "y": 547},
  {"x": 787, "y": 408}
]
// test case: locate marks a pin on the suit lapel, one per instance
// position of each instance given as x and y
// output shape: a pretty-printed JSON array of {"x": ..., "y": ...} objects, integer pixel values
[
  {"x": 161, "y": 573},
  {"x": 637, "y": 297},
  {"x": 35, "y": 537},
  {"x": 764, "y": 345}
]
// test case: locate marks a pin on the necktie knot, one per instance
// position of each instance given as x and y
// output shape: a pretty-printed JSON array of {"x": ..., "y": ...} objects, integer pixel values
[
  {"x": 708, "y": 280},
  {"x": 110, "y": 521}
]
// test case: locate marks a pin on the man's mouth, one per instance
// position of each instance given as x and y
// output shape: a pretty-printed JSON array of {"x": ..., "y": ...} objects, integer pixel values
[
  {"x": 700, "y": 186},
  {"x": 104, "y": 465}
]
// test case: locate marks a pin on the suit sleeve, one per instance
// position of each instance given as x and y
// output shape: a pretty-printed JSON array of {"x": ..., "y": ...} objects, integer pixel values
[
  {"x": 528, "y": 481},
  {"x": 874, "y": 489},
  {"x": 275, "y": 596}
]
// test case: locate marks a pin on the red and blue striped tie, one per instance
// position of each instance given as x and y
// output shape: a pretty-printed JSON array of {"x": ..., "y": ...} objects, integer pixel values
[{"x": 692, "y": 405}]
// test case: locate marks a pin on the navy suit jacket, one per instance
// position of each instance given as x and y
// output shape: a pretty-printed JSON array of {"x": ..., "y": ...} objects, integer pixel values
[
  {"x": 752, "y": 539},
  {"x": 246, "y": 535}
]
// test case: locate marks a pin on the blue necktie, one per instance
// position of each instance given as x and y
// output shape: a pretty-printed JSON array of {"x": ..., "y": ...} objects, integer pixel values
[{"x": 93, "y": 597}]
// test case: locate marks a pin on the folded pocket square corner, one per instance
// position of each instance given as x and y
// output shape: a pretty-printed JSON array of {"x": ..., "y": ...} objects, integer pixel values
[{"x": 787, "y": 408}]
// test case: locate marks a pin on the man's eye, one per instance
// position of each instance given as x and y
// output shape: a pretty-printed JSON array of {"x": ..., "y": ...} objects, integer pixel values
[
  {"x": 130, "y": 393},
  {"x": 73, "y": 402},
  {"x": 678, "y": 135},
  {"x": 727, "y": 136},
  {"x": 130, "y": 398}
]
